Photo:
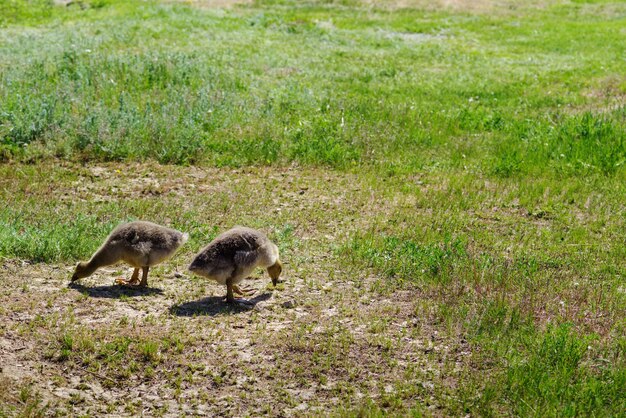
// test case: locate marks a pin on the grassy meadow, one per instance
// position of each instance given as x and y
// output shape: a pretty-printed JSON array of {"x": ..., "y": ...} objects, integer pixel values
[{"x": 445, "y": 180}]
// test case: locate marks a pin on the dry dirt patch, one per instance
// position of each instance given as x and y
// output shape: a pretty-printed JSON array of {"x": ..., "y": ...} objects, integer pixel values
[
  {"x": 470, "y": 6},
  {"x": 211, "y": 4},
  {"x": 299, "y": 349},
  {"x": 324, "y": 338}
]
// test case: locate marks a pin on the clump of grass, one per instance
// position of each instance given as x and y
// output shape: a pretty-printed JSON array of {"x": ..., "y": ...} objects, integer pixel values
[
  {"x": 149, "y": 351},
  {"x": 31, "y": 12},
  {"x": 111, "y": 353},
  {"x": 12, "y": 11},
  {"x": 47, "y": 241},
  {"x": 588, "y": 143},
  {"x": 66, "y": 342},
  {"x": 553, "y": 373},
  {"x": 172, "y": 107},
  {"x": 405, "y": 260}
]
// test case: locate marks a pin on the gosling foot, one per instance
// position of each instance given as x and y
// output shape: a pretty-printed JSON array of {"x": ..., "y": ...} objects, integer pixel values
[
  {"x": 129, "y": 283},
  {"x": 132, "y": 282},
  {"x": 244, "y": 291}
]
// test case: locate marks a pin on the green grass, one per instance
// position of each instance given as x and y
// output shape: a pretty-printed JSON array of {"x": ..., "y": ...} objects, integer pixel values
[
  {"x": 445, "y": 185},
  {"x": 445, "y": 89},
  {"x": 55, "y": 241},
  {"x": 552, "y": 378},
  {"x": 403, "y": 259},
  {"x": 551, "y": 372},
  {"x": 521, "y": 281}
]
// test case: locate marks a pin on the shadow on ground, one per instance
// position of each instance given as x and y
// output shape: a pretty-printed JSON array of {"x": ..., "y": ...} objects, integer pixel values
[
  {"x": 114, "y": 291},
  {"x": 214, "y": 305}
]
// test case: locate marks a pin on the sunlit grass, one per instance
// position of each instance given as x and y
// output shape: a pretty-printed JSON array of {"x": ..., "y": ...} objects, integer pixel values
[
  {"x": 272, "y": 85},
  {"x": 466, "y": 162}
]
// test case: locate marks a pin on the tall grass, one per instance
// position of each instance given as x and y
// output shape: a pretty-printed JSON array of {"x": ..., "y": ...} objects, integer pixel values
[{"x": 271, "y": 85}]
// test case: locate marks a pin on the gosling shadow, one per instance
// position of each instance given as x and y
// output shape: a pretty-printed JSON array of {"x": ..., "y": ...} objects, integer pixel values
[
  {"x": 114, "y": 291},
  {"x": 214, "y": 306}
]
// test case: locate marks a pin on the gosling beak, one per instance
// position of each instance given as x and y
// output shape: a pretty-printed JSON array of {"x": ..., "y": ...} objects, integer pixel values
[
  {"x": 274, "y": 281},
  {"x": 74, "y": 277}
]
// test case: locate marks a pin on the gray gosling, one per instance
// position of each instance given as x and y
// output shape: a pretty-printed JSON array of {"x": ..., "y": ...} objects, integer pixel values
[
  {"x": 233, "y": 256},
  {"x": 141, "y": 244}
]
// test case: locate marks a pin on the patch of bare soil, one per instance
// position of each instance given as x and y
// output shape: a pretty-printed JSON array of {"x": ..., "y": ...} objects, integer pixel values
[
  {"x": 212, "y": 4},
  {"x": 470, "y": 6},
  {"x": 607, "y": 96},
  {"x": 298, "y": 350},
  {"x": 325, "y": 338}
]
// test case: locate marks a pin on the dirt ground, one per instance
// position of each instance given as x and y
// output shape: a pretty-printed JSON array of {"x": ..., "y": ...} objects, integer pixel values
[{"x": 326, "y": 340}]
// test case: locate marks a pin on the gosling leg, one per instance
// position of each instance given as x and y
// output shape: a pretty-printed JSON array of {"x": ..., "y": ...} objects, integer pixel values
[
  {"x": 230, "y": 297},
  {"x": 144, "y": 277}
]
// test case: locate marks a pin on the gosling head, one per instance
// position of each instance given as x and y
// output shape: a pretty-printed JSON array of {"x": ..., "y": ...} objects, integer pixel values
[
  {"x": 80, "y": 272},
  {"x": 274, "y": 271}
]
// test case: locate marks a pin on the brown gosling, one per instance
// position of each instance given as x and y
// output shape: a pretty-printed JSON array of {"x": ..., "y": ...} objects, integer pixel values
[
  {"x": 233, "y": 256},
  {"x": 141, "y": 244}
]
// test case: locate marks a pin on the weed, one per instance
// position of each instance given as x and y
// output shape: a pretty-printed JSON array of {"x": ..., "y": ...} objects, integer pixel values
[{"x": 149, "y": 351}]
